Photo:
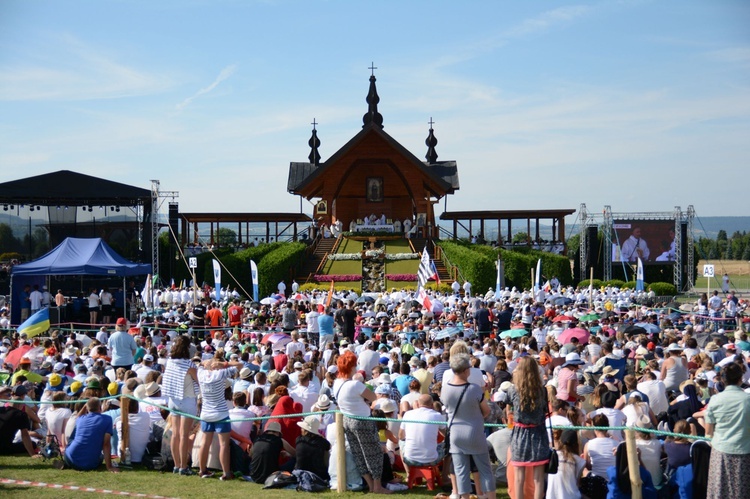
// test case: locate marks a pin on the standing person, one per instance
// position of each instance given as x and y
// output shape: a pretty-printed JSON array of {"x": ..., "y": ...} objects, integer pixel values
[
  {"x": 313, "y": 330},
  {"x": 281, "y": 288},
  {"x": 354, "y": 399},
  {"x": 215, "y": 413},
  {"x": 25, "y": 303},
  {"x": 467, "y": 289},
  {"x": 529, "y": 442},
  {"x": 93, "y": 306},
  {"x": 106, "y": 300},
  {"x": 728, "y": 422},
  {"x": 349, "y": 316},
  {"x": 35, "y": 297},
  {"x": 466, "y": 407},
  {"x": 122, "y": 346},
  {"x": 235, "y": 313},
  {"x": 725, "y": 283},
  {"x": 325, "y": 328},
  {"x": 482, "y": 321},
  {"x": 181, "y": 390}
]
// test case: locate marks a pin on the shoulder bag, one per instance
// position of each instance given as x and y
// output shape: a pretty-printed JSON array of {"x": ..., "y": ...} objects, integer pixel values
[{"x": 554, "y": 460}]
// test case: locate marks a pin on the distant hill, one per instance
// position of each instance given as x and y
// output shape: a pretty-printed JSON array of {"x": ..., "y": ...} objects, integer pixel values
[{"x": 710, "y": 226}]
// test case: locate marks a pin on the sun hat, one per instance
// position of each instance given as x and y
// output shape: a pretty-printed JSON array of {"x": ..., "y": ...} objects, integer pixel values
[
  {"x": 152, "y": 388},
  {"x": 384, "y": 378},
  {"x": 113, "y": 388},
  {"x": 298, "y": 365},
  {"x": 644, "y": 422},
  {"x": 383, "y": 389},
  {"x": 712, "y": 347},
  {"x": 245, "y": 373},
  {"x": 674, "y": 347},
  {"x": 129, "y": 387},
  {"x": 140, "y": 392},
  {"x": 388, "y": 406},
  {"x": 573, "y": 359},
  {"x": 55, "y": 383},
  {"x": 273, "y": 426},
  {"x": 333, "y": 369},
  {"x": 273, "y": 375},
  {"x": 148, "y": 358},
  {"x": 609, "y": 371},
  {"x": 310, "y": 424},
  {"x": 93, "y": 384},
  {"x": 505, "y": 386},
  {"x": 75, "y": 388},
  {"x": 324, "y": 402}
]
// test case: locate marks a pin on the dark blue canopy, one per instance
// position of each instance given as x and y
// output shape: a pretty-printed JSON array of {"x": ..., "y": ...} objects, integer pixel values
[{"x": 78, "y": 256}]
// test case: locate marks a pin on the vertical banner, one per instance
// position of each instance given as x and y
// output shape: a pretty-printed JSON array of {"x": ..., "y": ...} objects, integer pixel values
[
  {"x": 254, "y": 275},
  {"x": 639, "y": 276},
  {"x": 217, "y": 279},
  {"x": 500, "y": 280},
  {"x": 330, "y": 294},
  {"x": 146, "y": 293},
  {"x": 538, "y": 281}
]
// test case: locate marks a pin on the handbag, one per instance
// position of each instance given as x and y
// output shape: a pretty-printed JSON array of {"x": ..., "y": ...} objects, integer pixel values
[
  {"x": 554, "y": 460},
  {"x": 447, "y": 446}
]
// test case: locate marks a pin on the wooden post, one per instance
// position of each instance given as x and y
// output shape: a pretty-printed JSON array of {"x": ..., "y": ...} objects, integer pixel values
[
  {"x": 124, "y": 414},
  {"x": 633, "y": 466},
  {"x": 340, "y": 454}
]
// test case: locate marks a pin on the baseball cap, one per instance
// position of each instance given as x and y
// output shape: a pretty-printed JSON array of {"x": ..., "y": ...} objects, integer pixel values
[
  {"x": 298, "y": 365},
  {"x": 273, "y": 426},
  {"x": 19, "y": 391},
  {"x": 59, "y": 367},
  {"x": 122, "y": 321},
  {"x": 148, "y": 358},
  {"x": 75, "y": 388}
]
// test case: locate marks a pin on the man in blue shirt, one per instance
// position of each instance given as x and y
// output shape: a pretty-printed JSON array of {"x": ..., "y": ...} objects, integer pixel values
[
  {"x": 90, "y": 440},
  {"x": 122, "y": 346}
]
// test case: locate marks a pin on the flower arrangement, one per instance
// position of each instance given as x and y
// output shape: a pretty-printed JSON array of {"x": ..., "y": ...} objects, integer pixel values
[
  {"x": 338, "y": 277},
  {"x": 401, "y": 277},
  {"x": 376, "y": 253},
  {"x": 344, "y": 256},
  {"x": 402, "y": 256}
]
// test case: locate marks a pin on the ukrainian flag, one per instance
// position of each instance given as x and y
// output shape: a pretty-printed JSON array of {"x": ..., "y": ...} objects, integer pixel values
[{"x": 36, "y": 324}]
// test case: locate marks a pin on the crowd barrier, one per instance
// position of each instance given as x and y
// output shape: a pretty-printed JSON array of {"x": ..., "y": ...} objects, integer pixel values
[{"x": 630, "y": 432}]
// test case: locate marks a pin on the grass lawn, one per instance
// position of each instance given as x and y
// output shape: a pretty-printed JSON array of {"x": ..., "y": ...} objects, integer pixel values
[
  {"x": 141, "y": 481},
  {"x": 398, "y": 246},
  {"x": 349, "y": 246},
  {"x": 343, "y": 267}
]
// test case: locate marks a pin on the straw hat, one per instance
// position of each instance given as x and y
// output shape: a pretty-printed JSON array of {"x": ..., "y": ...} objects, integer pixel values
[
  {"x": 323, "y": 403},
  {"x": 152, "y": 388},
  {"x": 609, "y": 371},
  {"x": 310, "y": 424}
]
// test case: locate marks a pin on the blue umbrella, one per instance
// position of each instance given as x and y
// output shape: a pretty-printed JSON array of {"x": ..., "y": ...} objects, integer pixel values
[
  {"x": 650, "y": 328},
  {"x": 513, "y": 333},
  {"x": 447, "y": 332}
]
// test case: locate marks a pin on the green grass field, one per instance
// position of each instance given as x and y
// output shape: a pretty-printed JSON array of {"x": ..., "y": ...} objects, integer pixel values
[{"x": 141, "y": 481}]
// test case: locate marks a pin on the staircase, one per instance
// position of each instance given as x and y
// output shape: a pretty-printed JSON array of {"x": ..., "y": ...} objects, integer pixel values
[
  {"x": 418, "y": 243},
  {"x": 322, "y": 249}
]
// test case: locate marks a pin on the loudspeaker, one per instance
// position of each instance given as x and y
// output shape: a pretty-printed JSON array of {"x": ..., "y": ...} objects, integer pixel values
[
  {"x": 174, "y": 218},
  {"x": 592, "y": 248}
]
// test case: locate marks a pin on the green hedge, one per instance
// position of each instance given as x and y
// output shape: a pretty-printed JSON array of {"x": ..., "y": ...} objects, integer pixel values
[
  {"x": 518, "y": 264},
  {"x": 274, "y": 260},
  {"x": 475, "y": 266},
  {"x": 598, "y": 283},
  {"x": 663, "y": 288}
]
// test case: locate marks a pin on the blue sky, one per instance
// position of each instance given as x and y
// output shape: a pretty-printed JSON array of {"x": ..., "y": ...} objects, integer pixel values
[{"x": 641, "y": 105}]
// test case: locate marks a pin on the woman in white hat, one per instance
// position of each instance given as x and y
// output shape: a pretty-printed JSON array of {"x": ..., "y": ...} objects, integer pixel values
[
  {"x": 674, "y": 368},
  {"x": 312, "y": 449}
]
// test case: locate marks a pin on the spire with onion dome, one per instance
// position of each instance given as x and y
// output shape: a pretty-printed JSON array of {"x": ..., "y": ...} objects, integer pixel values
[
  {"x": 314, "y": 143},
  {"x": 372, "y": 115},
  {"x": 431, "y": 142}
]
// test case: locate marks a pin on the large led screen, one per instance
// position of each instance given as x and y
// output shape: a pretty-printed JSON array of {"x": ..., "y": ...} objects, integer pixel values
[{"x": 651, "y": 240}]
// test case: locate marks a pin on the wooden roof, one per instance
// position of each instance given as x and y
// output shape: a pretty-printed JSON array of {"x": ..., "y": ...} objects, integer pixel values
[
  {"x": 505, "y": 214},
  {"x": 245, "y": 217}
]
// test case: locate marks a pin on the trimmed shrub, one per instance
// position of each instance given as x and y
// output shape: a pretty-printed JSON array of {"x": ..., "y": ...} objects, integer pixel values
[
  {"x": 615, "y": 283},
  {"x": 325, "y": 286},
  {"x": 477, "y": 268},
  {"x": 663, "y": 288},
  {"x": 598, "y": 283}
]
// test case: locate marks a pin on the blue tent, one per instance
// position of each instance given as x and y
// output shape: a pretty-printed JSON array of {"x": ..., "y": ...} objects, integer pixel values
[{"x": 74, "y": 256}]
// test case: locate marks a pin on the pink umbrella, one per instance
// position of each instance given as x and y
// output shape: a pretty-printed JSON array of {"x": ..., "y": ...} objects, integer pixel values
[
  {"x": 14, "y": 356},
  {"x": 576, "y": 332},
  {"x": 562, "y": 318}
]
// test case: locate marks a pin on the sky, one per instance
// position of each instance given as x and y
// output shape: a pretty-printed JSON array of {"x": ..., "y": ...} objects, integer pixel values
[{"x": 639, "y": 105}]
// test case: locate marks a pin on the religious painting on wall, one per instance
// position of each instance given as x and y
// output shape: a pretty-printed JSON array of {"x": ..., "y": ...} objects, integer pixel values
[
  {"x": 374, "y": 189},
  {"x": 321, "y": 208}
]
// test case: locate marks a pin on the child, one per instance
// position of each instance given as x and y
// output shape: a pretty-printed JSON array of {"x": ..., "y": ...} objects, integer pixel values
[{"x": 565, "y": 482}]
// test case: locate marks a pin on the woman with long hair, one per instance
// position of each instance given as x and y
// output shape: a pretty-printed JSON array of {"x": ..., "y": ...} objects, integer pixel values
[
  {"x": 180, "y": 388},
  {"x": 566, "y": 482},
  {"x": 529, "y": 443},
  {"x": 354, "y": 399},
  {"x": 685, "y": 408}
]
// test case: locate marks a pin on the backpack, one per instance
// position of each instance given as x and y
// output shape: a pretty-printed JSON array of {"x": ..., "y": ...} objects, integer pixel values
[
  {"x": 279, "y": 480},
  {"x": 307, "y": 481}
]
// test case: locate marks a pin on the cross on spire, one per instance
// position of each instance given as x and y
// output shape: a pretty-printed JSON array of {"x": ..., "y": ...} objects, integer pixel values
[
  {"x": 372, "y": 68},
  {"x": 430, "y": 122},
  {"x": 316, "y": 123}
]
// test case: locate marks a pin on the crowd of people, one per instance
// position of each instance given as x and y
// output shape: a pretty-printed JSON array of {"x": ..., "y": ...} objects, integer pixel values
[{"x": 246, "y": 390}]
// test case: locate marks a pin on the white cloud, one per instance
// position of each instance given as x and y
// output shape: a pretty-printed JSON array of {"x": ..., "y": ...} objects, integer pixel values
[
  {"x": 547, "y": 20},
  {"x": 65, "y": 68},
  {"x": 224, "y": 74}
]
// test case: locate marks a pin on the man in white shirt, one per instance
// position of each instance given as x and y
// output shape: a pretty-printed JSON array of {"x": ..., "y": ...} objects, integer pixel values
[
  {"x": 146, "y": 367},
  {"x": 368, "y": 358},
  {"x": 35, "y": 297},
  {"x": 635, "y": 247},
  {"x": 102, "y": 336},
  {"x": 303, "y": 392},
  {"x": 313, "y": 330},
  {"x": 420, "y": 445}
]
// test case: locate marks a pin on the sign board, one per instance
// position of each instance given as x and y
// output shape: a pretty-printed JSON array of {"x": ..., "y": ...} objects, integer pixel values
[
  {"x": 193, "y": 262},
  {"x": 708, "y": 271}
]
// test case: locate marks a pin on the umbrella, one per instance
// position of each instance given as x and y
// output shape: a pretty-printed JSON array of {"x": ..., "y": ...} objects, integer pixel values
[
  {"x": 674, "y": 316},
  {"x": 298, "y": 297},
  {"x": 562, "y": 318},
  {"x": 447, "y": 332},
  {"x": 633, "y": 329},
  {"x": 14, "y": 356},
  {"x": 278, "y": 297},
  {"x": 576, "y": 332},
  {"x": 278, "y": 340},
  {"x": 650, "y": 328},
  {"x": 589, "y": 317},
  {"x": 513, "y": 333},
  {"x": 365, "y": 299},
  {"x": 563, "y": 300},
  {"x": 269, "y": 301}
]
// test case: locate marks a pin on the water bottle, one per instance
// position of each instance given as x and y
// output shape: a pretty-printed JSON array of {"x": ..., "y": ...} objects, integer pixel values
[{"x": 126, "y": 456}]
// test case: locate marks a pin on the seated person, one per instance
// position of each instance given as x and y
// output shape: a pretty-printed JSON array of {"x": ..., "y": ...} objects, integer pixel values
[
  {"x": 267, "y": 451},
  {"x": 139, "y": 433},
  {"x": 312, "y": 450},
  {"x": 14, "y": 417},
  {"x": 90, "y": 442},
  {"x": 420, "y": 441}
]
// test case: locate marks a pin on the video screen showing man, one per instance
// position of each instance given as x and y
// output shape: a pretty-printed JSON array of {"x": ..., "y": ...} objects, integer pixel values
[{"x": 635, "y": 247}]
